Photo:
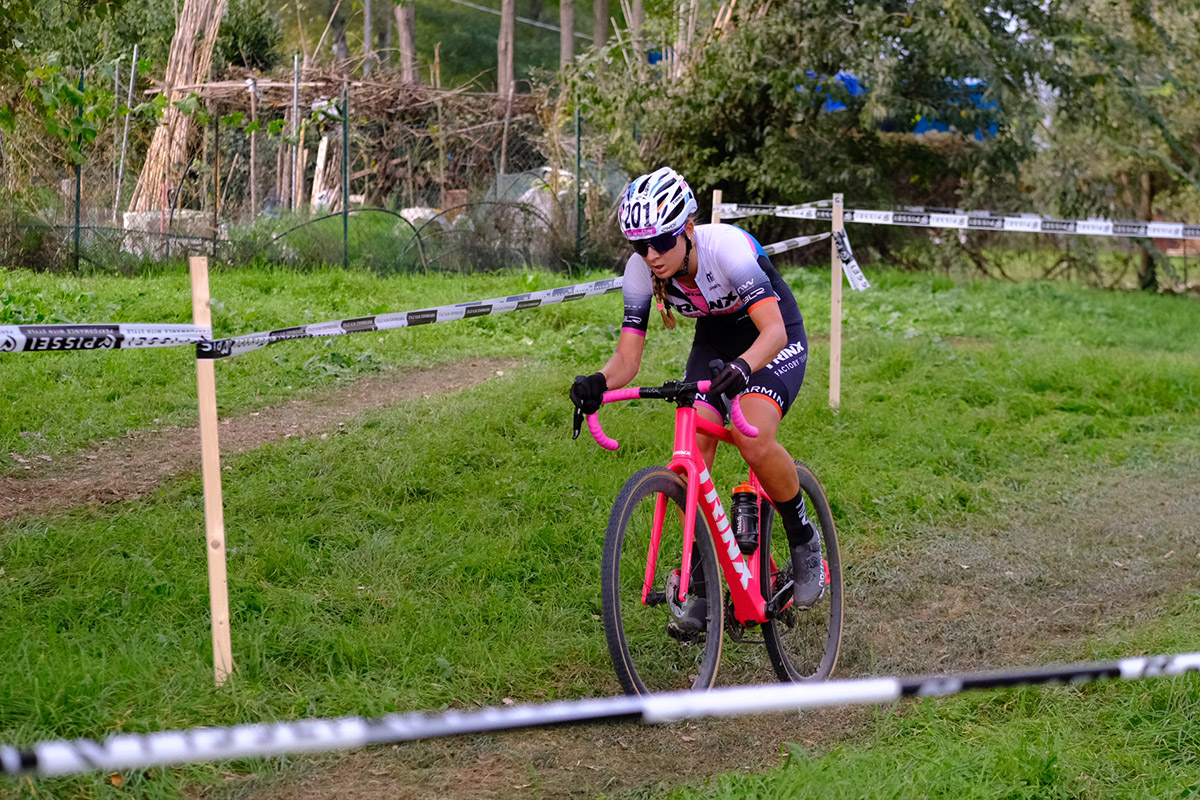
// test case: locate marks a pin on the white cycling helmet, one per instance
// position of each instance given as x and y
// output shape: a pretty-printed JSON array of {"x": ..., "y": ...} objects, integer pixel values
[{"x": 654, "y": 204}]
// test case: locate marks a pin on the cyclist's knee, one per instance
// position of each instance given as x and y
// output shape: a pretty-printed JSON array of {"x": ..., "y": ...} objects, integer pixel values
[{"x": 755, "y": 449}]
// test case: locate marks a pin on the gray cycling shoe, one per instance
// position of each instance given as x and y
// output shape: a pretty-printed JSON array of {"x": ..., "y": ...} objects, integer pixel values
[
  {"x": 693, "y": 618},
  {"x": 808, "y": 572}
]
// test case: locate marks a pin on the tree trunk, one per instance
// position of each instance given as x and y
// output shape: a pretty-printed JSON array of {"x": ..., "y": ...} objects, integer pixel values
[
  {"x": 1148, "y": 275},
  {"x": 368, "y": 45},
  {"x": 566, "y": 36},
  {"x": 189, "y": 63},
  {"x": 600, "y": 28},
  {"x": 636, "y": 20},
  {"x": 406, "y": 34},
  {"x": 506, "y": 45}
]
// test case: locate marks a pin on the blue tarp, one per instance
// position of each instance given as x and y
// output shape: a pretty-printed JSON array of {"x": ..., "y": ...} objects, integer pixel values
[{"x": 975, "y": 99}]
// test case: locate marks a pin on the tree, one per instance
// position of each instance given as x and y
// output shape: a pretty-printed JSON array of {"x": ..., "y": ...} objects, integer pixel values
[
  {"x": 189, "y": 63},
  {"x": 600, "y": 26},
  {"x": 566, "y": 32},
  {"x": 406, "y": 36},
  {"x": 750, "y": 109},
  {"x": 637, "y": 19},
  {"x": 1125, "y": 124},
  {"x": 506, "y": 46}
]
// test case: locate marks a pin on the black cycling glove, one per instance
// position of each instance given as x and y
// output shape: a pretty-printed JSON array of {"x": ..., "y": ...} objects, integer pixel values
[
  {"x": 587, "y": 393},
  {"x": 731, "y": 380}
]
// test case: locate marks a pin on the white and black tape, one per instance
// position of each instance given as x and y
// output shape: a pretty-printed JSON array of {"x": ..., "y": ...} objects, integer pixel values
[
  {"x": 854, "y": 274},
  {"x": 141, "y": 751},
  {"x": 739, "y": 210},
  {"x": 120, "y": 336},
  {"x": 979, "y": 221},
  {"x": 224, "y": 348},
  {"x": 792, "y": 244}
]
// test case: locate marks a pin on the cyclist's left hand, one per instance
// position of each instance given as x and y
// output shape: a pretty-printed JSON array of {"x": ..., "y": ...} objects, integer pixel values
[
  {"x": 731, "y": 380},
  {"x": 587, "y": 393}
]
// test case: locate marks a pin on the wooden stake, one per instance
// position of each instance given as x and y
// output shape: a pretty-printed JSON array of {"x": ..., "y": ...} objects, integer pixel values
[
  {"x": 318, "y": 184},
  {"x": 716, "y": 215},
  {"x": 253, "y": 150},
  {"x": 300, "y": 178},
  {"x": 210, "y": 461},
  {"x": 301, "y": 163},
  {"x": 835, "y": 311}
]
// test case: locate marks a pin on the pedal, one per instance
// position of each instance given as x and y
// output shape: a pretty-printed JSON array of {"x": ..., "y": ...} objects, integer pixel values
[{"x": 656, "y": 598}]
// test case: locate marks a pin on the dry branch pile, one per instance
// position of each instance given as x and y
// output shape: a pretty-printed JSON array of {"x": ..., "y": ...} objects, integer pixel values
[{"x": 417, "y": 141}]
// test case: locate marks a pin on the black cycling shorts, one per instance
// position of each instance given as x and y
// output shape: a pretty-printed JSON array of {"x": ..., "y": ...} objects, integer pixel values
[{"x": 779, "y": 381}]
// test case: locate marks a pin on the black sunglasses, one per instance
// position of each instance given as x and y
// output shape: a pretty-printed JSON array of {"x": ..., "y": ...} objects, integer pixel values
[{"x": 663, "y": 243}]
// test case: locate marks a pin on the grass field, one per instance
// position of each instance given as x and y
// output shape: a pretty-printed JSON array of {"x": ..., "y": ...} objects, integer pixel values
[{"x": 445, "y": 551}]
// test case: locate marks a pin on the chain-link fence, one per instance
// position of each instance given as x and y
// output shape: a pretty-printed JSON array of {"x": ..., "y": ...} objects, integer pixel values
[{"x": 320, "y": 170}]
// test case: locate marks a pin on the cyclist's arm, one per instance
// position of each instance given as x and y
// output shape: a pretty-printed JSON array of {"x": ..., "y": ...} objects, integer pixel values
[
  {"x": 772, "y": 334},
  {"x": 625, "y": 362}
]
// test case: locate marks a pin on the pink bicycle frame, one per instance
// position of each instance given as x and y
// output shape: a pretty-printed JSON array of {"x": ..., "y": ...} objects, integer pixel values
[{"x": 741, "y": 571}]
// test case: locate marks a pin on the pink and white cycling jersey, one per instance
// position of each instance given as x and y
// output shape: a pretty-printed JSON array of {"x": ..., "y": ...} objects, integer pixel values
[{"x": 733, "y": 275}]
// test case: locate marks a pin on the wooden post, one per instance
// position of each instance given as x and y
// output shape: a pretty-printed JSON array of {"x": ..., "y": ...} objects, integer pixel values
[
  {"x": 835, "y": 312},
  {"x": 716, "y": 215},
  {"x": 210, "y": 461}
]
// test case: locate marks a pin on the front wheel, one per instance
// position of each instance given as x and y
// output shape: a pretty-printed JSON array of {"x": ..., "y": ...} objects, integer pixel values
[
  {"x": 803, "y": 645},
  {"x": 651, "y": 651}
]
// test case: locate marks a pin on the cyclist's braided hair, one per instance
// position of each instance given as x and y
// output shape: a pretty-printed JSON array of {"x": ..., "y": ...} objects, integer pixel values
[{"x": 660, "y": 297}]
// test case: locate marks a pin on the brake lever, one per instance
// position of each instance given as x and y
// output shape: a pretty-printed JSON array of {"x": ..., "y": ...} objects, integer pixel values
[{"x": 578, "y": 422}]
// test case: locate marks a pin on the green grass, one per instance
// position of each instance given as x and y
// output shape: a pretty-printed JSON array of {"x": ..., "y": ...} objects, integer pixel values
[
  {"x": 1129, "y": 740},
  {"x": 444, "y": 551}
]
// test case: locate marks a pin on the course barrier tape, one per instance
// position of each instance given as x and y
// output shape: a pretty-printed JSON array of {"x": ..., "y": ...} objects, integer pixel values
[
  {"x": 57, "y": 338},
  {"x": 975, "y": 220},
  {"x": 751, "y": 209},
  {"x": 792, "y": 244},
  {"x": 140, "y": 751},
  {"x": 119, "y": 336},
  {"x": 225, "y": 348},
  {"x": 854, "y": 274}
]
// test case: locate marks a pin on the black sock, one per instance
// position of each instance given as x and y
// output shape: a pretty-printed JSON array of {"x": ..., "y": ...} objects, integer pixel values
[{"x": 795, "y": 520}]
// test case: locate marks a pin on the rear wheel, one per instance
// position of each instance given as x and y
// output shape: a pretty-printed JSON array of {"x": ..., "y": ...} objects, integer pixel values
[
  {"x": 803, "y": 645},
  {"x": 649, "y": 651}
]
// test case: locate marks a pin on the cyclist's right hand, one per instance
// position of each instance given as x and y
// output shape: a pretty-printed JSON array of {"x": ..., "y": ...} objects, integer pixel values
[{"x": 587, "y": 393}]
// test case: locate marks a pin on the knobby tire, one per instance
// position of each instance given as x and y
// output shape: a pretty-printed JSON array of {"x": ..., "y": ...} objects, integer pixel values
[
  {"x": 804, "y": 645},
  {"x": 645, "y": 657}
]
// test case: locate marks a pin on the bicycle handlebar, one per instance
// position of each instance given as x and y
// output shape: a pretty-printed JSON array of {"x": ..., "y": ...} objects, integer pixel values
[{"x": 668, "y": 391}]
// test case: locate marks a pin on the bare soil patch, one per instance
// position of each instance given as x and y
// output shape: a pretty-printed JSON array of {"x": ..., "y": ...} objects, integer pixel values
[
  {"x": 1032, "y": 589},
  {"x": 124, "y": 469}
]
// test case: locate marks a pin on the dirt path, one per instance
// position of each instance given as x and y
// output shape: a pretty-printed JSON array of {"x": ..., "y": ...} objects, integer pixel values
[
  {"x": 127, "y": 468},
  {"x": 1033, "y": 590}
]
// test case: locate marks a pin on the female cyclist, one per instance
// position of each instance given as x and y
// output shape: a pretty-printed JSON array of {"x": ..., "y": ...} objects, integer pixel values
[{"x": 747, "y": 318}]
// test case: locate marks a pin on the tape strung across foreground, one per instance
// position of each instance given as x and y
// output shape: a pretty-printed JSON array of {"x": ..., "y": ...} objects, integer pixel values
[
  {"x": 224, "y": 348},
  {"x": 974, "y": 220},
  {"x": 123, "y": 336},
  {"x": 120, "y": 336},
  {"x": 140, "y": 751}
]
